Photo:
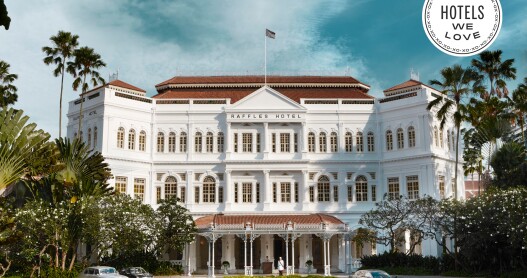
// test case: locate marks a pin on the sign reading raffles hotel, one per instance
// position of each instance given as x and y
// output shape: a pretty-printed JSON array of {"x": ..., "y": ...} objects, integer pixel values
[{"x": 292, "y": 165}]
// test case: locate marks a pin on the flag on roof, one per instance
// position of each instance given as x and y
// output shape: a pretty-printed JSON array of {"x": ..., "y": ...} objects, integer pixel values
[{"x": 269, "y": 33}]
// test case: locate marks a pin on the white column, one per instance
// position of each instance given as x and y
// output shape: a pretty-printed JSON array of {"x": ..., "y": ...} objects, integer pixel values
[
  {"x": 305, "y": 189},
  {"x": 291, "y": 142},
  {"x": 228, "y": 141},
  {"x": 340, "y": 138},
  {"x": 347, "y": 254},
  {"x": 287, "y": 254},
  {"x": 325, "y": 256},
  {"x": 189, "y": 269},
  {"x": 212, "y": 256},
  {"x": 251, "y": 257},
  {"x": 245, "y": 254},
  {"x": 303, "y": 139},
  {"x": 208, "y": 261},
  {"x": 329, "y": 256},
  {"x": 268, "y": 189},
  {"x": 227, "y": 190},
  {"x": 254, "y": 141},
  {"x": 265, "y": 140},
  {"x": 293, "y": 254},
  {"x": 189, "y": 198}
]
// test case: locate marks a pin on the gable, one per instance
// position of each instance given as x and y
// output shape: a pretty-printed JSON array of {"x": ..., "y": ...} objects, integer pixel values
[{"x": 268, "y": 99}]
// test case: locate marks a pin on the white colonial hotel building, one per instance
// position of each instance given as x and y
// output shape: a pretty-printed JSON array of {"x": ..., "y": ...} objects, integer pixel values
[{"x": 297, "y": 161}]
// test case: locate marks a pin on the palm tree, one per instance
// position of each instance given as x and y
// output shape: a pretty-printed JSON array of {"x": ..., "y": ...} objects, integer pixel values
[
  {"x": 85, "y": 65},
  {"x": 490, "y": 66},
  {"x": 8, "y": 94},
  {"x": 63, "y": 46},
  {"x": 519, "y": 106},
  {"x": 456, "y": 83},
  {"x": 18, "y": 140}
]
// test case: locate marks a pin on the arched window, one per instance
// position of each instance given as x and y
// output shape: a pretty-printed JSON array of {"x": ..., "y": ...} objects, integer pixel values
[
  {"x": 142, "y": 141},
  {"x": 361, "y": 189},
  {"x": 371, "y": 142},
  {"x": 400, "y": 138},
  {"x": 198, "y": 139},
  {"x": 221, "y": 142},
  {"x": 209, "y": 190},
  {"x": 389, "y": 140},
  {"x": 436, "y": 137},
  {"x": 89, "y": 138},
  {"x": 172, "y": 142},
  {"x": 322, "y": 142},
  {"x": 94, "y": 137},
  {"x": 131, "y": 139},
  {"x": 160, "y": 142},
  {"x": 348, "y": 140},
  {"x": 311, "y": 142},
  {"x": 170, "y": 187},
  {"x": 120, "y": 138},
  {"x": 360, "y": 142},
  {"x": 333, "y": 141},
  {"x": 209, "y": 142},
  {"x": 183, "y": 142},
  {"x": 323, "y": 189},
  {"x": 411, "y": 137}
]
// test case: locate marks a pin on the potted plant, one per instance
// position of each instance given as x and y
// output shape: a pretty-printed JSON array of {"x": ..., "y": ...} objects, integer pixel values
[
  {"x": 226, "y": 266},
  {"x": 309, "y": 265}
]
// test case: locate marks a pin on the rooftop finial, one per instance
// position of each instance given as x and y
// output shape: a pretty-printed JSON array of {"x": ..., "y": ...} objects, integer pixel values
[{"x": 414, "y": 75}]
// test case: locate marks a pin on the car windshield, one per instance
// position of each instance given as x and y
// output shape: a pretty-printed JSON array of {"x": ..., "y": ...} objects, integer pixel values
[
  {"x": 137, "y": 270},
  {"x": 379, "y": 275},
  {"x": 109, "y": 270}
]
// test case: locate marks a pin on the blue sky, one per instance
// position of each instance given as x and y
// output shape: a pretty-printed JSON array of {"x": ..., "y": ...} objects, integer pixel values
[{"x": 376, "y": 41}]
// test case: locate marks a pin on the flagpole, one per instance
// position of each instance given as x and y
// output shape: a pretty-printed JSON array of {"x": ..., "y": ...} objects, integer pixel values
[{"x": 265, "y": 60}]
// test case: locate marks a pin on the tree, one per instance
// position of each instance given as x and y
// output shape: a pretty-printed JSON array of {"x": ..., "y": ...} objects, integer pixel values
[
  {"x": 497, "y": 72},
  {"x": 84, "y": 66},
  {"x": 125, "y": 226},
  {"x": 519, "y": 107},
  {"x": 388, "y": 219},
  {"x": 456, "y": 83},
  {"x": 510, "y": 166},
  {"x": 5, "y": 20},
  {"x": 176, "y": 225},
  {"x": 18, "y": 140},
  {"x": 8, "y": 94},
  {"x": 63, "y": 46}
]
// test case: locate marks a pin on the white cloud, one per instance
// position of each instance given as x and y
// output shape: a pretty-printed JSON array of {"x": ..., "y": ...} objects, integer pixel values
[{"x": 151, "y": 41}]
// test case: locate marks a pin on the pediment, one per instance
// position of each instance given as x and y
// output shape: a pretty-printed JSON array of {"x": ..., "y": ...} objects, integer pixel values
[{"x": 266, "y": 98}]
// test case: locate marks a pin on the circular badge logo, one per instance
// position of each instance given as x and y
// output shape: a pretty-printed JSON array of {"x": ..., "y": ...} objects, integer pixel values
[{"x": 462, "y": 27}]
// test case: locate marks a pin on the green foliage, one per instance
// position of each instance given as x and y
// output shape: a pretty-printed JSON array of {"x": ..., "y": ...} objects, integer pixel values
[
  {"x": 8, "y": 94},
  {"x": 510, "y": 165},
  {"x": 425, "y": 265},
  {"x": 5, "y": 20},
  {"x": 18, "y": 141},
  {"x": 125, "y": 226},
  {"x": 177, "y": 227}
]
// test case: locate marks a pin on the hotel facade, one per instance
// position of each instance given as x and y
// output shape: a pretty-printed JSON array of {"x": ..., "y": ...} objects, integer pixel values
[{"x": 282, "y": 169}]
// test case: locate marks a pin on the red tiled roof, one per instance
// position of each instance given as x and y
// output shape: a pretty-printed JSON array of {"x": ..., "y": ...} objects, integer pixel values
[
  {"x": 409, "y": 83},
  {"x": 219, "y": 219},
  {"x": 258, "y": 79},
  {"x": 122, "y": 84},
  {"x": 236, "y": 94}
]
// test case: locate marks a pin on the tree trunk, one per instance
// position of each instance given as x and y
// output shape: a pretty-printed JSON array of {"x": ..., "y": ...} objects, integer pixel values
[
  {"x": 64, "y": 256},
  {"x": 73, "y": 258},
  {"x": 80, "y": 110},
  {"x": 60, "y": 102},
  {"x": 457, "y": 161}
]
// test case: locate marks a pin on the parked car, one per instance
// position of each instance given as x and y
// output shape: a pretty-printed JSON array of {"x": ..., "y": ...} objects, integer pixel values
[
  {"x": 370, "y": 273},
  {"x": 100, "y": 272},
  {"x": 135, "y": 272}
]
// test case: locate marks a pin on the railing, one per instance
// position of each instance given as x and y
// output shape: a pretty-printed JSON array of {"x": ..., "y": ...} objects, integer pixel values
[
  {"x": 230, "y": 227},
  {"x": 269, "y": 226},
  {"x": 307, "y": 226}
]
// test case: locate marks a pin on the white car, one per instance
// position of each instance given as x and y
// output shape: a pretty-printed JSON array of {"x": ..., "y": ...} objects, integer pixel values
[
  {"x": 100, "y": 272},
  {"x": 370, "y": 273}
]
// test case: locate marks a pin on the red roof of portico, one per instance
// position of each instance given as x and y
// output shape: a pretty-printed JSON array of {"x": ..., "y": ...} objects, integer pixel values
[{"x": 222, "y": 219}]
